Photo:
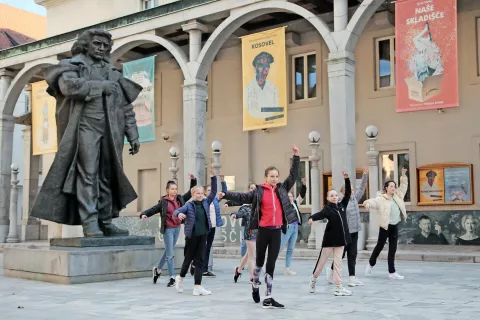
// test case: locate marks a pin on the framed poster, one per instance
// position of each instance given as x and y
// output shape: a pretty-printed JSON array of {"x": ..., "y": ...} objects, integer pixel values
[
  {"x": 445, "y": 183},
  {"x": 327, "y": 185}
]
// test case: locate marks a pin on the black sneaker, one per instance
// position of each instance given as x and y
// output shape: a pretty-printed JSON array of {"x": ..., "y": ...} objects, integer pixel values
[
  {"x": 236, "y": 275},
  {"x": 155, "y": 275},
  {"x": 171, "y": 283},
  {"x": 272, "y": 304},
  {"x": 208, "y": 274},
  {"x": 258, "y": 282},
  {"x": 192, "y": 269},
  {"x": 256, "y": 294}
]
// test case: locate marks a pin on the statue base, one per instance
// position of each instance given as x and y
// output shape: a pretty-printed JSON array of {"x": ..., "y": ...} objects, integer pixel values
[{"x": 85, "y": 260}]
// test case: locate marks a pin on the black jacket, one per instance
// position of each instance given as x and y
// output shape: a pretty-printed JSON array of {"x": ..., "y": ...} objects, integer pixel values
[
  {"x": 336, "y": 231},
  {"x": 303, "y": 192},
  {"x": 162, "y": 206},
  {"x": 236, "y": 204},
  {"x": 245, "y": 213},
  {"x": 254, "y": 197}
]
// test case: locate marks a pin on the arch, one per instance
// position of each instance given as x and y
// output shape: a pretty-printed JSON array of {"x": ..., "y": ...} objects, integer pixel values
[
  {"x": 124, "y": 45},
  {"x": 19, "y": 82},
  {"x": 359, "y": 20},
  {"x": 243, "y": 15}
]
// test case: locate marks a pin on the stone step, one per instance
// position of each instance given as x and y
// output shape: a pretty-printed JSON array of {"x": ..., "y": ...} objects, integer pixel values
[{"x": 444, "y": 254}]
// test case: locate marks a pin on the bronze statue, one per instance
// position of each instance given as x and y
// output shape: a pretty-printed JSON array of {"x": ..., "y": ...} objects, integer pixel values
[{"x": 86, "y": 184}]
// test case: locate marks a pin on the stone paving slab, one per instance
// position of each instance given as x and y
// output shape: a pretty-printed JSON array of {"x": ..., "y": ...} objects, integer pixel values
[{"x": 430, "y": 291}]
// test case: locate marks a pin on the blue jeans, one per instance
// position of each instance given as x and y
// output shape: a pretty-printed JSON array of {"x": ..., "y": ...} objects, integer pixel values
[
  {"x": 289, "y": 239},
  {"x": 170, "y": 238},
  {"x": 243, "y": 244}
]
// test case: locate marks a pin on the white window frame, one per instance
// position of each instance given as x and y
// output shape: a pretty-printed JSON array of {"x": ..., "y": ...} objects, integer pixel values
[
  {"x": 308, "y": 199},
  {"x": 392, "y": 62},
  {"x": 155, "y": 3},
  {"x": 396, "y": 173},
  {"x": 305, "y": 76}
]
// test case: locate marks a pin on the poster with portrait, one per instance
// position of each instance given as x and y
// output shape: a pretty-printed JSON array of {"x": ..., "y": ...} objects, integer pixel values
[
  {"x": 426, "y": 54},
  {"x": 142, "y": 71},
  {"x": 264, "y": 80},
  {"x": 445, "y": 183},
  {"x": 457, "y": 185},
  {"x": 431, "y": 185},
  {"x": 44, "y": 126}
]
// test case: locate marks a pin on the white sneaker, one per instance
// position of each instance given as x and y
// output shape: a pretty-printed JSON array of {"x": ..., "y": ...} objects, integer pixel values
[
  {"x": 289, "y": 272},
  {"x": 341, "y": 291},
  {"x": 201, "y": 291},
  {"x": 329, "y": 276},
  {"x": 395, "y": 276},
  {"x": 312, "y": 283},
  {"x": 368, "y": 270},
  {"x": 354, "y": 282},
  {"x": 179, "y": 284}
]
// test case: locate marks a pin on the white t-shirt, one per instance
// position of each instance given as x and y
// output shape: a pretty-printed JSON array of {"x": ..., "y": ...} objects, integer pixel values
[{"x": 257, "y": 98}]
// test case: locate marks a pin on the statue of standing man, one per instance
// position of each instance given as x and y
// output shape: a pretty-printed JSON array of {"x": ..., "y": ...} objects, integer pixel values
[{"x": 86, "y": 184}]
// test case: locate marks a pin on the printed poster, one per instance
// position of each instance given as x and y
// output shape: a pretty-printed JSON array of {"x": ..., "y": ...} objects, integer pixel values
[
  {"x": 44, "y": 126},
  {"x": 426, "y": 54},
  {"x": 457, "y": 185},
  {"x": 142, "y": 71},
  {"x": 264, "y": 80},
  {"x": 431, "y": 182}
]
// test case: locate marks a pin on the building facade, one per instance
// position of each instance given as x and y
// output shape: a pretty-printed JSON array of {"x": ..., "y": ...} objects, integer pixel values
[{"x": 341, "y": 79}]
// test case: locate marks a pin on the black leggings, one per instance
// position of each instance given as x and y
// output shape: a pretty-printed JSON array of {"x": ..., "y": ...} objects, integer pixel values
[
  {"x": 268, "y": 239},
  {"x": 392, "y": 235},
  {"x": 194, "y": 250},
  {"x": 351, "y": 251}
]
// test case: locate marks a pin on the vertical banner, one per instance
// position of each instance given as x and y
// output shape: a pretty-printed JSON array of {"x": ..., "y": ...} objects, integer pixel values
[
  {"x": 264, "y": 80},
  {"x": 426, "y": 54},
  {"x": 44, "y": 126},
  {"x": 142, "y": 71}
]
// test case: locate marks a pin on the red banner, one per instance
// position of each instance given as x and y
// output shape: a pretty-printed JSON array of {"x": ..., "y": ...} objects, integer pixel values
[{"x": 426, "y": 54}]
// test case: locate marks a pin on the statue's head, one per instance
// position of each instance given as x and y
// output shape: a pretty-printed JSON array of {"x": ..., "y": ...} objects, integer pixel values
[{"x": 95, "y": 43}]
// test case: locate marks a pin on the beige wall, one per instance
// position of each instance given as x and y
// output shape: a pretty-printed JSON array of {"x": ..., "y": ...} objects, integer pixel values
[
  {"x": 67, "y": 15},
  {"x": 430, "y": 137}
]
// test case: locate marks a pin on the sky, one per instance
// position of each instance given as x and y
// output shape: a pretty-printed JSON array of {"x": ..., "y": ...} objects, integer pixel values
[{"x": 28, "y": 5}]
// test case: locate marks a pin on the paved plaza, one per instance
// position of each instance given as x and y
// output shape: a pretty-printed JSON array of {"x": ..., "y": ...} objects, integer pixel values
[{"x": 430, "y": 291}]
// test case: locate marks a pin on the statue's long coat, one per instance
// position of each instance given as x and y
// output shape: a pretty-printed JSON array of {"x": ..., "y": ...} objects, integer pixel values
[{"x": 57, "y": 200}]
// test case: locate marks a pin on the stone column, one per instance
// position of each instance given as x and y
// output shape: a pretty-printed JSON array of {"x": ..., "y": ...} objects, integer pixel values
[
  {"x": 12, "y": 231},
  {"x": 195, "y": 30},
  {"x": 30, "y": 225},
  {"x": 314, "y": 138},
  {"x": 341, "y": 87},
  {"x": 372, "y": 154},
  {"x": 6, "y": 146},
  {"x": 340, "y": 15},
  {"x": 194, "y": 129}
]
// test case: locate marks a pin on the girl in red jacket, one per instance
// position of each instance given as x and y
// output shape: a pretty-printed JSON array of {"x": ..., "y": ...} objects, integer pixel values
[{"x": 270, "y": 209}]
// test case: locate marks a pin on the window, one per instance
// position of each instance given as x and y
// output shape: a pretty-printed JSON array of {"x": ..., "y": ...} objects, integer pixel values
[
  {"x": 149, "y": 4},
  {"x": 391, "y": 164},
  {"x": 27, "y": 102},
  {"x": 304, "y": 76},
  {"x": 304, "y": 172},
  {"x": 385, "y": 62}
]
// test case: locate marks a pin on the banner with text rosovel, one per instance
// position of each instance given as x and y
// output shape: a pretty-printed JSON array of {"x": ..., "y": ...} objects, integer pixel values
[
  {"x": 142, "y": 71},
  {"x": 264, "y": 80},
  {"x": 44, "y": 125},
  {"x": 426, "y": 54}
]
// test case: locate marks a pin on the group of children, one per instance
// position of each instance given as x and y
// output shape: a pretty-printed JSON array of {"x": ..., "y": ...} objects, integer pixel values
[{"x": 271, "y": 217}]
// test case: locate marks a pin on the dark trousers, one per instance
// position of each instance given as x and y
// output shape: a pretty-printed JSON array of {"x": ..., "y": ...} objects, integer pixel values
[
  {"x": 94, "y": 195},
  {"x": 194, "y": 251},
  {"x": 268, "y": 239},
  {"x": 351, "y": 251},
  {"x": 392, "y": 235},
  {"x": 210, "y": 237}
]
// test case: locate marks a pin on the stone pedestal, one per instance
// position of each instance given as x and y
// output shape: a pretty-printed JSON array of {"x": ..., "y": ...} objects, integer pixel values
[{"x": 82, "y": 260}]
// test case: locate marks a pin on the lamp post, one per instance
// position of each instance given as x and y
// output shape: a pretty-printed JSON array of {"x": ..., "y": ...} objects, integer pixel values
[
  {"x": 314, "y": 138},
  {"x": 372, "y": 133},
  {"x": 12, "y": 231},
  {"x": 174, "y": 152},
  {"x": 217, "y": 147}
]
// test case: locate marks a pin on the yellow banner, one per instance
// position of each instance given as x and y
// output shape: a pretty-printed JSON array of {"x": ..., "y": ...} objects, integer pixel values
[
  {"x": 44, "y": 127},
  {"x": 264, "y": 80}
]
